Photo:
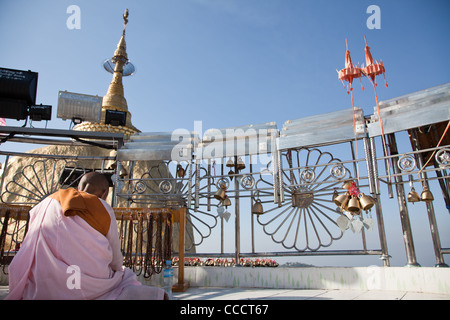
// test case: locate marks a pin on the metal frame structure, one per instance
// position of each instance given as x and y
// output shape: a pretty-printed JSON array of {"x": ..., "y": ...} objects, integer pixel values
[
  {"x": 298, "y": 183},
  {"x": 426, "y": 109},
  {"x": 296, "y": 191}
]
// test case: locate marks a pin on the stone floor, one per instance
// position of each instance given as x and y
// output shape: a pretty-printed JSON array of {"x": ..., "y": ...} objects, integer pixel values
[{"x": 199, "y": 293}]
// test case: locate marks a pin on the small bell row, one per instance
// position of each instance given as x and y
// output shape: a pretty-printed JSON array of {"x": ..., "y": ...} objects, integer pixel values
[
  {"x": 425, "y": 196},
  {"x": 239, "y": 166}
]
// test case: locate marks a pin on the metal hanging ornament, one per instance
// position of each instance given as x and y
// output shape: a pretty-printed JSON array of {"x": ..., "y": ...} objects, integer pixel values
[
  {"x": 366, "y": 202},
  {"x": 257, "y": 207},
  {"x": 226, "y": 202},
  {"x": 372, "y": 70},
  {"x": 240, "y": 164},
  {"x": 181, "y": 172},
  {"x": 230, "y": 163},
  {"x": 351, "y": 203},
  {"x": 426, "y": 195},
  {"x": 373, "y": 67},
  {"x": 413, "y": 196},
  {"x": 350, "y": 72},
  {"x": 220, "y": 194}
]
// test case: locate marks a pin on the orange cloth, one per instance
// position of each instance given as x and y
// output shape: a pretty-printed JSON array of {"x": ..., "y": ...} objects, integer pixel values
[{"x": 87, "y": 206}]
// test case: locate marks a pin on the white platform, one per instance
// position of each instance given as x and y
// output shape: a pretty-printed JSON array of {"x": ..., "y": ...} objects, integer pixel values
[{"x": 397, "y": 279}]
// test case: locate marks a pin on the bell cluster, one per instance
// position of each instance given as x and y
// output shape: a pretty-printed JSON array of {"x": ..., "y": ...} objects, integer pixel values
[
  {"x": 221, "y": 194},
  {"x": 352, "y": 200}
]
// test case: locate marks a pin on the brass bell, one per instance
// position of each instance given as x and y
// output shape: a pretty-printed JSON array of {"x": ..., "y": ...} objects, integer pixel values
[
  {"x": 344, "y": 206},
  {"x": 366, "y": 202},
  {"x": 426, "y": 195},
  {"x": 180, "y": 171},
  {"x": 220, "y": 194},
  {"x": 257, "y": 208},
  {"x": 353, "y": 205},
  {"x": 240, "y": 164},
  {"x": 413, "y": 196},
  {"x": 226, "y": 202},
  {"x": 341, "y": 200},
  {"x": 347, "y": 185},
  {"x": 230, "y": 163}
]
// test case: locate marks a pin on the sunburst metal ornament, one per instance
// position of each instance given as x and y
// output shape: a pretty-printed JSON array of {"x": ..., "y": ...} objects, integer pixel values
[
  {"x": 306, "y": 221},
  {"x": 40, "y": 179}
]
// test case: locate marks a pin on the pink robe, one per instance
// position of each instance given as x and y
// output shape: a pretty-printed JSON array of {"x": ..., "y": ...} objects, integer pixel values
[{"x": 65, "y": 258}]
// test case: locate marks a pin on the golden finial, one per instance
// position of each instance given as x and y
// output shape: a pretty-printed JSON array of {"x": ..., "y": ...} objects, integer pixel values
[{"x": 125, "y": 20}]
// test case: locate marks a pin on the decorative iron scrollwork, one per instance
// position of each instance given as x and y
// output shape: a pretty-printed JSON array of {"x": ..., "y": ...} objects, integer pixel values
[
  {"x": 443, "y": 158},
  {"x": 406, "y": 163}
]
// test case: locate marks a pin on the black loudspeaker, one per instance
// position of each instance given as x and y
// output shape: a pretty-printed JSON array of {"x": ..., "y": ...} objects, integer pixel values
[
  {"x": 17, "y": 92},
  {"x": 116, "y": 118},
  {"x": 40, "y": 112}
]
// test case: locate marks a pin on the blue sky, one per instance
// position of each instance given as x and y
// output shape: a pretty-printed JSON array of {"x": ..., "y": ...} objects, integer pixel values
[{"x": 227, "y": 62}]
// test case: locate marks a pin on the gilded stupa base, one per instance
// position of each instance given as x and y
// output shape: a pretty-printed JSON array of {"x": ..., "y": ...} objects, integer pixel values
[{"x": 101, "y": 127}]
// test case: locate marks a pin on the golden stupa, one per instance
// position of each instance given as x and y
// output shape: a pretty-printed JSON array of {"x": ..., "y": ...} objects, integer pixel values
[{"x": 114, "y": 98}]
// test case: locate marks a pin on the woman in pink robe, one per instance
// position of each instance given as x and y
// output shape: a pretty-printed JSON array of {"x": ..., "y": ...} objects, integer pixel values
[{"x": 72, "y": 250}]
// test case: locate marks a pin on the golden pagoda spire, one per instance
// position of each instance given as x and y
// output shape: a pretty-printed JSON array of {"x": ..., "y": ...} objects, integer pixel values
[{"x": 114, "y": 98}]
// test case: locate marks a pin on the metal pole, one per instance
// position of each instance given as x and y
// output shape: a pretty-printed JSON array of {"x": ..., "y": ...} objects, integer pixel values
[
  {"x": 441, "y": 173},
  {"x": 430, "y": 208},
  {"x": 130, "y": 183},
  {"x": 374, "y": 165},
  {"x": 236, "y": 217},
  {"x": 382, "y": 233},
  {"x": 197, "y": 184},
  {"x": 221, "y": 218},
  {"x": 221, "y": 234},
  {"x": 404, "y": 216},
  {"x": 371, "y": 161},
  {"x": 252, "y": 220},
  {"x": 369, "y": 166},
  {"x": 116, "y": 184},
  {"x": 208, "y": 200}
]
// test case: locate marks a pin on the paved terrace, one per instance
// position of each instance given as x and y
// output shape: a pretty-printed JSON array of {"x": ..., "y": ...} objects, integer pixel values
[
  {"x": 207, "y": 293},
  {"x": 316, "y": 283}
]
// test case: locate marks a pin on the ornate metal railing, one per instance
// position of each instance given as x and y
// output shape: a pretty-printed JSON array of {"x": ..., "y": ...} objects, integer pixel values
[{"x": 291, "y": 190}]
